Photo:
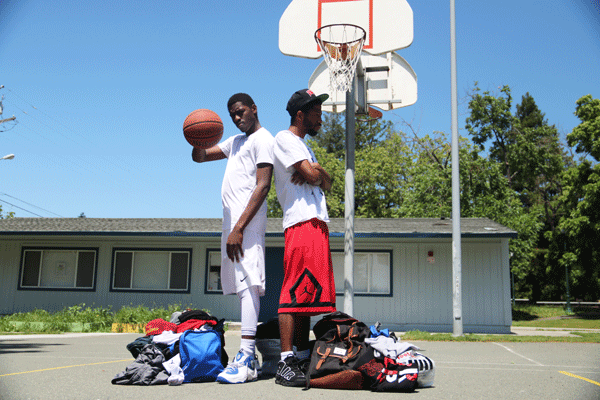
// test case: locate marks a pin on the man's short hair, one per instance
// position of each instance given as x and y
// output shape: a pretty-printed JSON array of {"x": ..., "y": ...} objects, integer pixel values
[
  {"x": 305, "y": 109},
  {"x": 241, "y": 97}
]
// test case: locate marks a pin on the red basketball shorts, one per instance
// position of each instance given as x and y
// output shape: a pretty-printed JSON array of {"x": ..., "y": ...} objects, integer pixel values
[{"x": 308, "y": 285}]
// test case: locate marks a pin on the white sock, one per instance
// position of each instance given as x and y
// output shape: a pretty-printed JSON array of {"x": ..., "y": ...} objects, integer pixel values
[
  {"x": 173, "y": 367},
  {"x": 247, "y": 346},
  {"x": 286, "y": 354},
  {"x": 250, "y": 307}
]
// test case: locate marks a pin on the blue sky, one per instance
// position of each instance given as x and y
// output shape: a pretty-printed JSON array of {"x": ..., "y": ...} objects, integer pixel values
[{"x": 100, "y": 89}]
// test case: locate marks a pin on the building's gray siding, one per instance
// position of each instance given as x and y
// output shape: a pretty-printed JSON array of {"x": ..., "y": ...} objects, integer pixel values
[{"x": 422, "y": 291}]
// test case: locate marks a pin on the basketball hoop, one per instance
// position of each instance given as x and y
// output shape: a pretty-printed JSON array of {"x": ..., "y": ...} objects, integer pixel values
[{"x": 341, "y": 45}]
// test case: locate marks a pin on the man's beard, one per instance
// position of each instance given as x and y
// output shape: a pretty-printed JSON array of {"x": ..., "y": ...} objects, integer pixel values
[{"x": 312, "y": 132}]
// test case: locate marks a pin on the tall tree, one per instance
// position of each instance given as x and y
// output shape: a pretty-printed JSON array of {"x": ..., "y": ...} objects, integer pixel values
[
  {"x": 491, "y": 119},
  {"x": 575, "y": 242},
  {"x": 532, "y": 159},
  {"x": 528, "y": 113},
  {"x": 539, "y": 159},
  {"x": 526, "y": 146}
]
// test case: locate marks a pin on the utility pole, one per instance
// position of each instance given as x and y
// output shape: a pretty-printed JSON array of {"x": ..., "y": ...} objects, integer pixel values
[
  {"x": 456, "y": 233},
  {"x": 568, "y": 305},
  {"x": 7, "y": 119}
]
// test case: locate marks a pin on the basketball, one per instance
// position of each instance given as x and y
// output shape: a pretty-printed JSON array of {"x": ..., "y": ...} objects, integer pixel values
[{"x": 203, "y": 128}]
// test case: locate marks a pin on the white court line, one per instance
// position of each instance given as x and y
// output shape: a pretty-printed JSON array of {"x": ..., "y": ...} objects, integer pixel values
[
  {"x": 532, "y": 368},
  {"x": 520, "y": 355},
  {"x": 492, "y": 364}
]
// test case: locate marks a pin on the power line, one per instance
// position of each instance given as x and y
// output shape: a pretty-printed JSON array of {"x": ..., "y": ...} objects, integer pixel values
[
  {"x": 107, "y": 166},
  {"x": 29, "y": 204},
  {"x": 30, "y": 212}
]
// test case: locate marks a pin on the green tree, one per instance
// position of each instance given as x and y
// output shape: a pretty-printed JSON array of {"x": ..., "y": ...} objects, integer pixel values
[
  {"x": 491, "y": 119},
  {"x": 532, "y": 159},
  {"x": 380, "y": 175},
  {"x": 273, "y": 206},
  {"x": 484, "y": 193},
  {"x": 368, "y": 133},
  {"x": 427, "y": 189},
  {"x": 575, "y": 242},
  {"x": 378, "y": 165},
  {"x": 539, "y": 160},
  {"x": 528, "y": 113},
  {"x": 526, "y": 146},
  {"x": 6, "y": 215}
]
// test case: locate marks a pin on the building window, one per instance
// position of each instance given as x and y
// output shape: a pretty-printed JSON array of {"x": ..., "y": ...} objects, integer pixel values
[
  {"x": 213, "y": 271},
  {"x": 58, "y": 268},
  {"x": 372, "y": 272},
  {"x": 162, "y": 270}
]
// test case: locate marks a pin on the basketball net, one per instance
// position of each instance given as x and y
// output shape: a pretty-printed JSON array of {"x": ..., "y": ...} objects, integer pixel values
[{"x": 341, "y": 45}]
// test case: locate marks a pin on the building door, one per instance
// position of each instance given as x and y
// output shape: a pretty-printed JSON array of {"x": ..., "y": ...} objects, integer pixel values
[{"x": 269, "y": 303}]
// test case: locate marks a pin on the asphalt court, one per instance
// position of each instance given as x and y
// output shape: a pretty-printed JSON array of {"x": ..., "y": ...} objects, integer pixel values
[{"x": 81, "y": 366}]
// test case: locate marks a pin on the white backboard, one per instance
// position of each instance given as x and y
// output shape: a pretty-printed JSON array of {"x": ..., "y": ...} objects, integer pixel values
[
  {"x": 385, "y": 81},
  {"x": 388, "y": 24}
]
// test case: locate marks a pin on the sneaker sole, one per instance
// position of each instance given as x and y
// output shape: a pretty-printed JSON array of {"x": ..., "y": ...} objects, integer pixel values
[
  {"x": 283, "y": 382},
  {"x": 235, "y": 383},
  {"x": 250, "y": 378}
]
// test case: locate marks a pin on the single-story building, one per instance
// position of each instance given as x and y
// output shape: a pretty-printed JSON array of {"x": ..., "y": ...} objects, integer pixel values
[{"x": 402, "y": 268}]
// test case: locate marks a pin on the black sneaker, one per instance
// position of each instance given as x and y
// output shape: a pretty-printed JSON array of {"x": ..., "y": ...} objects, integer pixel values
[
  {"x": 289, "y": 373},
  {"x": 304, "y": 364}
]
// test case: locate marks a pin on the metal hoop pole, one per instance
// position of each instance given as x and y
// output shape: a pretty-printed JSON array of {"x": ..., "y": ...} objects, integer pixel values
[{"x": 349, "y": 204}]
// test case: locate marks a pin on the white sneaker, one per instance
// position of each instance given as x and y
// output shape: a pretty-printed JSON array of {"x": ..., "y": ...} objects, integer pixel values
[{"x": 242, "y": 369}]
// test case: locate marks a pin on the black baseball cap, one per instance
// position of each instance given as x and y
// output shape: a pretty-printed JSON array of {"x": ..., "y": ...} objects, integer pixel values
[{"x": 302, "y": 98}]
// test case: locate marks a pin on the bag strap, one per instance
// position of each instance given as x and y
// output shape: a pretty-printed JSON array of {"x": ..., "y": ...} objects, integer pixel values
[
  {"x": 351, "y": 352},
  {"x": 323, "y": 357}
]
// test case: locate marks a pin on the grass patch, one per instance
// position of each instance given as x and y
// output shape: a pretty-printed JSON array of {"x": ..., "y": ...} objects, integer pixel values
[
  {"x": 580, "y": 317},
  {"x": 475, "y": 337},
  {"x": 86, "y": 319},
  {"x": 526, "y": 315},
  {"x": 528, "y": 312},
  {"x": 564, "y": 323},
  {"x": 82, "y": 318},
  {"x": 142, "y": 314}
]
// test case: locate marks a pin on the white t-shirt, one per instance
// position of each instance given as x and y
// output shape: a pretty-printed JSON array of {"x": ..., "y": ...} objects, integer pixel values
[
  {"x": 244, "y": 153},
  {"x": 299, "y": 202}
]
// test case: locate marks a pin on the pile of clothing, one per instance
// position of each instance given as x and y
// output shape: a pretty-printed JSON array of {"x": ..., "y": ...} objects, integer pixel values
[{"x": 188, "y": 348}]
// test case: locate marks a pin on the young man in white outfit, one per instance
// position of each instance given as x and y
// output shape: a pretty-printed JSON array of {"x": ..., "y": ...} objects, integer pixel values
[{"x": 245, "y": 187}]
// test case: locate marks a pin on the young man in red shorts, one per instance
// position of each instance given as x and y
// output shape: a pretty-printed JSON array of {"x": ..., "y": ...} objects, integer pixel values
[{"x": 308, "y": 285}]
